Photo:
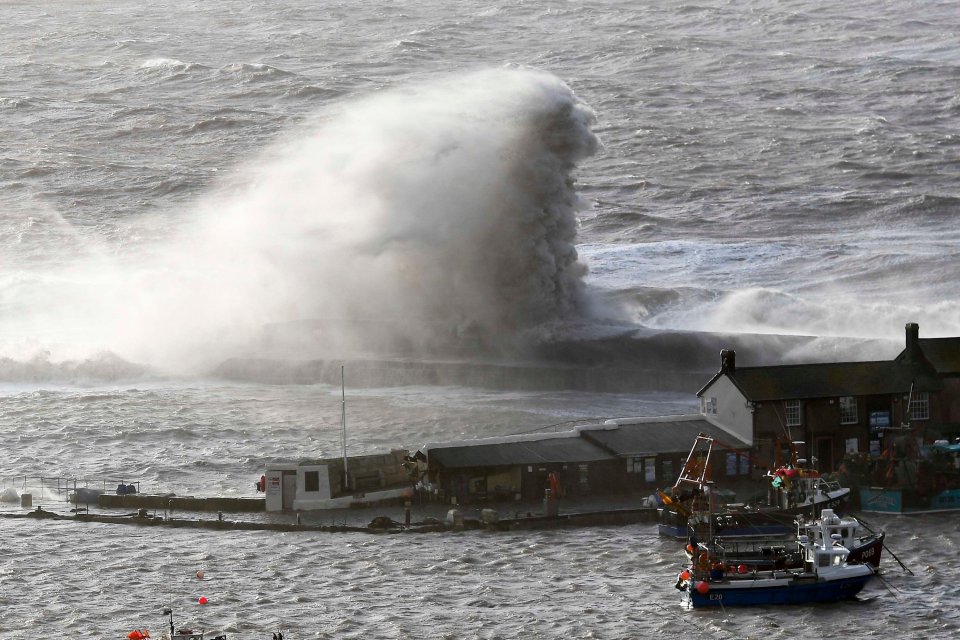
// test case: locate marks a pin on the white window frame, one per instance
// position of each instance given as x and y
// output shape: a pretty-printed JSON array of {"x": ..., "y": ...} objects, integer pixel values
[
  {"x": 649, "y": 469},
  {"x": 708, "y": 406},
  {"x": 793, "y": 413},
  {"x": 848, "y": 410},
  {"x": 920, "y": 406}
]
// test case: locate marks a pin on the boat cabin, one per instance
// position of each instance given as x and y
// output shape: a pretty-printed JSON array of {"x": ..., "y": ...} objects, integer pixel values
[{"x": 821, "y": 559}]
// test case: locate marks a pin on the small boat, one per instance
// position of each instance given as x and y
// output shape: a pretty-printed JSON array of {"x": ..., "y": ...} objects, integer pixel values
[
  {"x": 183, "y": 634},
  {"x": 826, "y": 576},
  {"x": 767, "y": 553}
]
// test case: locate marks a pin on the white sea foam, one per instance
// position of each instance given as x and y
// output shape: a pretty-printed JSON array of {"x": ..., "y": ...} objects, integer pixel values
[{"x": 410, "y": 218}]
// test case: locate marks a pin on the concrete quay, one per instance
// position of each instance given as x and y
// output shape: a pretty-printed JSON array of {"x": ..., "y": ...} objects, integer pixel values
[{"x": 385, "y": 519}]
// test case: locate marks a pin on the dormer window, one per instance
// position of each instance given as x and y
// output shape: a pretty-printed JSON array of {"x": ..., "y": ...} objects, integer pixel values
[{"x": 792, "y": 410}]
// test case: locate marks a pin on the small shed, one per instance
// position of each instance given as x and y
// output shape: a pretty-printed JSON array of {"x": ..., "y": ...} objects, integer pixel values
[
  {"x": 516, "y": 467},
  {"x": 319, "y": 484},
  {"x": 651, "y": 451}
]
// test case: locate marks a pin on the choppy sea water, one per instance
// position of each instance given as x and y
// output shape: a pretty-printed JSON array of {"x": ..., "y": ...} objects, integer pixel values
[
  {"x": 92, "y": 580},
  {"x": 176, "y": 176}
]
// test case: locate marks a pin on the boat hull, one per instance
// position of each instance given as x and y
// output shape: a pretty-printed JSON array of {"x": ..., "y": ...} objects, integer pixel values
[
  {"x": 763, "y": 522},
  {"x": 776, "y": 591}
]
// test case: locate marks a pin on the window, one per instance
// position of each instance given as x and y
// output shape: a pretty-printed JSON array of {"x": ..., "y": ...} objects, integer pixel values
[
  {"x": 920, "y": 406},
  {"x": 583, "y": 478},
  {"x": 731, "y": 464},
  {"x": 311, "y": 481},
  {"x": 666, "y": 469},
  {"x": 792, "y": 409},
  {"x": 848, "y": 410},
  {"x": 646, "y": 466},
  {"x": 708, "y": 405},
  {"x": 650, "y": 470},
  {"x": 852, "y": 445}
]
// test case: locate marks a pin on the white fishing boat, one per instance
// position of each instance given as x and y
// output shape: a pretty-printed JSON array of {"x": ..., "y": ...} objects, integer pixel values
[
  {"x": 766, "y": 553},
  {"x": 826, "y": 576}
]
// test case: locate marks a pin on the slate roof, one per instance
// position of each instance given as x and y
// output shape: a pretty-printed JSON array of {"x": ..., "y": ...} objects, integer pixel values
[
  {"x": 565, "y": 448},
  {"x": 833, "y": 379},
  {"x": 650, "y": 438},
  {"x": 943, "y": 354}
]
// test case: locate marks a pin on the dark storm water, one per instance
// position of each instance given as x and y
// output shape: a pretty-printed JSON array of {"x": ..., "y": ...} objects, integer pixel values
[{"x": 765, "y": 168}]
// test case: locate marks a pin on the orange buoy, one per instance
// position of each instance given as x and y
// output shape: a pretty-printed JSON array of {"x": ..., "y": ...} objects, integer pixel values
[{"x": 684, "y": 575}]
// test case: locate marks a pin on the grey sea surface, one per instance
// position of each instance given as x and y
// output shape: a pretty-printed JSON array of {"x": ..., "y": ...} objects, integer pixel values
[{"x": 181, "y": 183}]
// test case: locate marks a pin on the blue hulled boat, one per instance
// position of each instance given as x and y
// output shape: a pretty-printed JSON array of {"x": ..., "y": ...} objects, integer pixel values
[{"x": 825, "y": 577}]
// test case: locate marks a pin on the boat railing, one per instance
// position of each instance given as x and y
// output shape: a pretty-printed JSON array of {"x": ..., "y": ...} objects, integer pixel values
[
  {"x": 67, "y": 488},
  {"x": 827, "y": 486}
]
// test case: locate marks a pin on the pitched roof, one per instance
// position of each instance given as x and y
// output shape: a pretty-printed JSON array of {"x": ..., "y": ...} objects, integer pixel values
[
  {"x": 833, "y": 379},
  {"x": 942, "y": 353},
  {"x": 656, "y": 436},
  {"x": 567, "y": 447}
]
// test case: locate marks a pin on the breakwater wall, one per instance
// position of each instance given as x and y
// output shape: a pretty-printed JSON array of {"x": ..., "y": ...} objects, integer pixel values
[
  {"x": 677, "y": 361},
  {"x": 379, "y": 525},
  {"x": 520, "y": 377}
]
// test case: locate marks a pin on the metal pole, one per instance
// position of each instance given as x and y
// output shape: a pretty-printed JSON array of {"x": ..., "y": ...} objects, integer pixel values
[{"x": 343, "y": 427}]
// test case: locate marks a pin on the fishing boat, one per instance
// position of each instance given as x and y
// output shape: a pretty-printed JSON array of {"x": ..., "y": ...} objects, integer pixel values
[
  {"x": 826, "y": 576},
  {"x": 691, "y": 506},
  {"x": 767, "y": 553},
  {"x": 180, "y": 634}
]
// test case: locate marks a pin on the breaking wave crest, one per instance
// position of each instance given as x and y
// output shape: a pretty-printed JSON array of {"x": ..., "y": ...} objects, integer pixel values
[{"x": 430, "y": 216}]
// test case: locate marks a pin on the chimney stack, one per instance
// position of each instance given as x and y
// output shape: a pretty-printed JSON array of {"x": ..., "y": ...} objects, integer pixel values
[
  {"x": 728, "y": 361},
  {"x": 912, "y": 351},
  {"x": 913, "y": 334}
]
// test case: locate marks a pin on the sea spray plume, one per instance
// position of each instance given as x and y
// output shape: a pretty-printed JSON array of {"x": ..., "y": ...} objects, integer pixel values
[{"x": 406, "y": 220}]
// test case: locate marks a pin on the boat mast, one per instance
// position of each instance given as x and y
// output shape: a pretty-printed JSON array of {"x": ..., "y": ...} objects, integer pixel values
[{"x": 343, "y": 430}]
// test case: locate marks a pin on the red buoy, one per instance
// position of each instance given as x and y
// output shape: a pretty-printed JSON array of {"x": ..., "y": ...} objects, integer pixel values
[
  {"x": 684, "y": 575},
  {"x": 202, "y": 600},
  {"x": 703, "y": 587},
  {"x": 743, "y": 568}
]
